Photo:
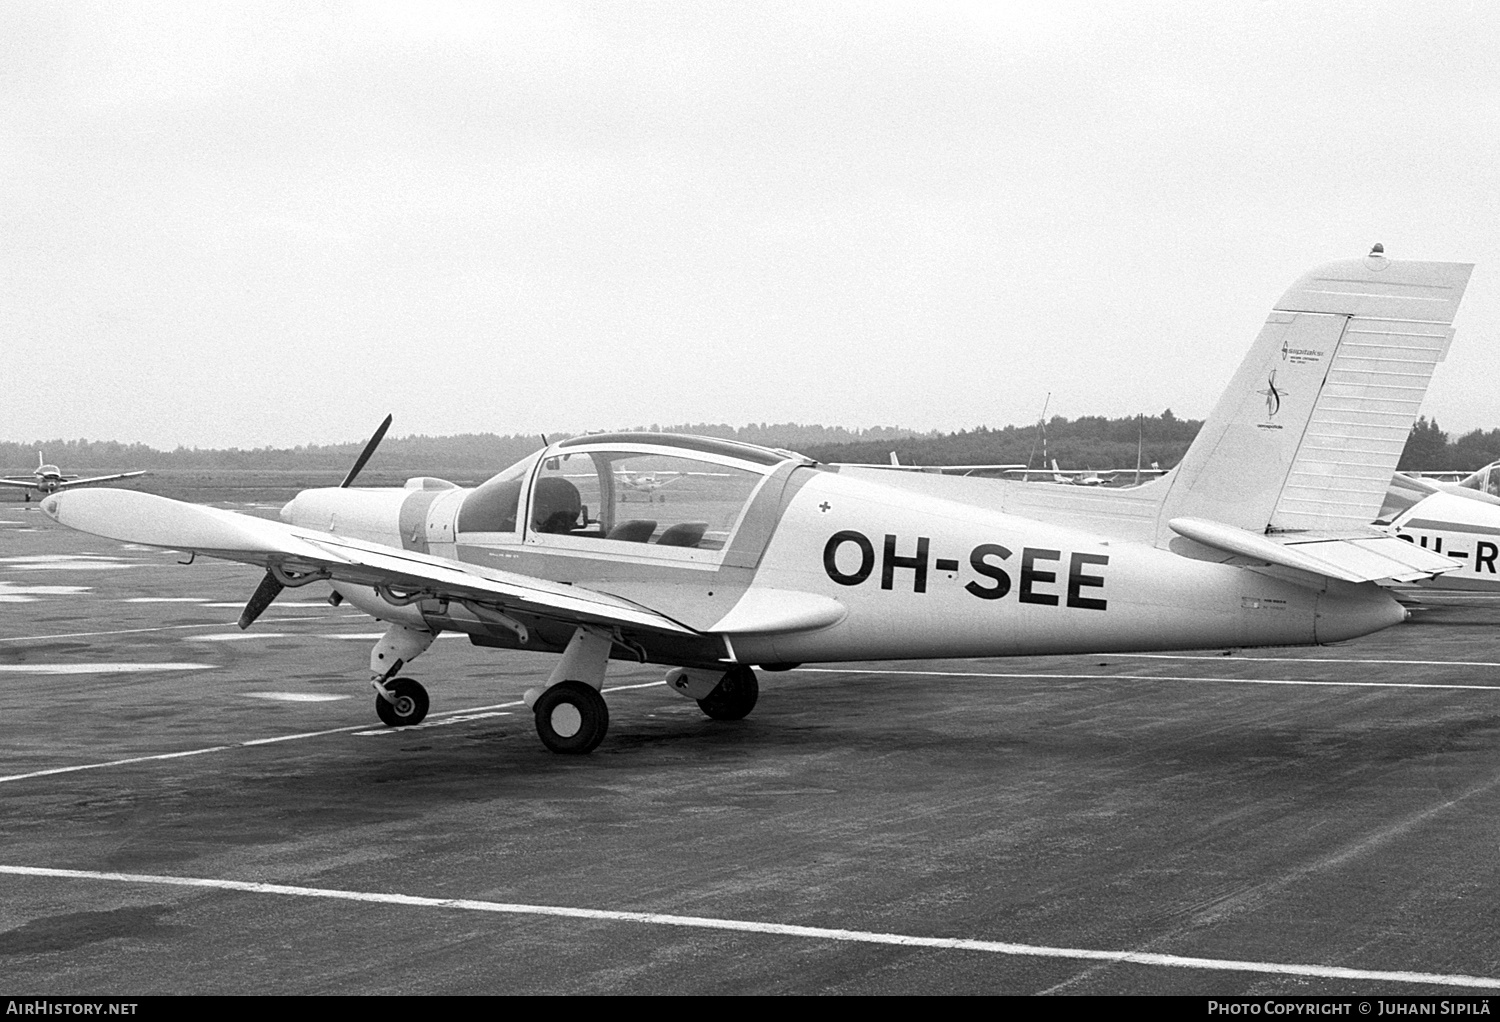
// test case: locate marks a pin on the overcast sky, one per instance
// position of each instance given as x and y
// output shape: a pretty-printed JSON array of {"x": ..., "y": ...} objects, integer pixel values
[{"x": 257, "y": 224}]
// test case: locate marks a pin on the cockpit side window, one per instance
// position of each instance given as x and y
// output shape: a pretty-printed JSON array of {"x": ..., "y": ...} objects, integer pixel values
[
  {"x": 648, "y": 503},
  {"x": 565, "y": 499},
  {"x": 669, "y": 501}
]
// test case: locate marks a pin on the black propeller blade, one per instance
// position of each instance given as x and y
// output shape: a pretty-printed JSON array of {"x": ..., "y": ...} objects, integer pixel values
[
  {"x": 267, "y": 591},
  {"x": 364, "y": 455},
  {"x": 269, "y": 588}
]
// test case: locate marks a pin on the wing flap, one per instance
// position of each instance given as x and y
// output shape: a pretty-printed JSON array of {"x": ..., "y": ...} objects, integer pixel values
[
  {"x": 134, "y": 517},
  {"x": 1363, "y": 557}
]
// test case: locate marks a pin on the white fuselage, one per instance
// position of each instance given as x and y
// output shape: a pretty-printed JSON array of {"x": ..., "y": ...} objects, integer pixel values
[{"x": 918, "y": 576}]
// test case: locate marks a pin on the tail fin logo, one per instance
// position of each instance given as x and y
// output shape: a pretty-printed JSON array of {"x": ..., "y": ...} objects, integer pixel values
[{"x": 1273, "y": 396}]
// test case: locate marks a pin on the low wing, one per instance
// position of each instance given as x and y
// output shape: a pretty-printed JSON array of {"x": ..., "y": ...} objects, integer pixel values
[
  {"x": 134, "y": 517},
  {"x": 98, "y": 479},
  {"x": 1370, "y": 556},
  {"x": 24, "y": 483}
]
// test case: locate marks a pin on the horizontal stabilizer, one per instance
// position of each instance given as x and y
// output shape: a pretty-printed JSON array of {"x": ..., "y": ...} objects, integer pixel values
[{"x": 1365, "y": 557}]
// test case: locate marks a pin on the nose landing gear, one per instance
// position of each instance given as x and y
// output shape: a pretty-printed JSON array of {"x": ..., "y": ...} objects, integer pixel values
[{"x": 399, "y": 702}]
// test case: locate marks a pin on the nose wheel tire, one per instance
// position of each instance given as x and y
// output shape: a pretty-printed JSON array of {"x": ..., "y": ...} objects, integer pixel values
[
  {"x": 571, "y": 717},
  {"x": 734, "y": 697},
  {"x": 410, "y": 705}
]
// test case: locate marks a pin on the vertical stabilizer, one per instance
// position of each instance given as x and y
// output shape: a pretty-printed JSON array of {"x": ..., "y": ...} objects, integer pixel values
[{"x": 1310, "y": 430}]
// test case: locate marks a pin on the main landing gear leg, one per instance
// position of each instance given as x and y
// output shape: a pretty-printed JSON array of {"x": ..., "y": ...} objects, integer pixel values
[
  {"x": 571, "y": 715},
  {"x": 398, "y": 701}
]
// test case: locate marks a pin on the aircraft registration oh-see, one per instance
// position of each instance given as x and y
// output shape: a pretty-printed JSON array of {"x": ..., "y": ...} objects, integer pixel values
[
  {"x": 49, "y": 479},
  {"x": 765, "y": 558}
]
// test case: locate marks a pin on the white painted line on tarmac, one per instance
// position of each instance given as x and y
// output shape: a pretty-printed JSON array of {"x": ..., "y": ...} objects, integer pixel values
[
  {"x": 296, "y": 697},
  {"x": 154, "y": 628},
  {"x": 287, "y": 605},
  {"x": 165, "y": 599},
  {"x": 20, "y": 590},
  {"x": 116, "y": 762},
  {"x": 381, "y": 635},
  {"x": 1065, "y": 675},
  {"x": 102, "y": 668},
  {"x": 1300, "y": 659},
  {"x": 994, "y": 947},
  {"x": 457, "y": 719},
  {"x": 475, "y": 710},
  {"x": 234, "y": 636}
]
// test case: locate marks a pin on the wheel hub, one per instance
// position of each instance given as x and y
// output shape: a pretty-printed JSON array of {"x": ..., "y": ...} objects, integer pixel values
[{"x": 566, "y": 720}]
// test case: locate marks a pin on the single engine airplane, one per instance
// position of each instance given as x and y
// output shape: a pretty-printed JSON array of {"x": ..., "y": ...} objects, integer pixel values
[
  {"x": 49, "y": 479},
  {"x": 1261, "y": 536},
  {"x": 646, "y": 482}
]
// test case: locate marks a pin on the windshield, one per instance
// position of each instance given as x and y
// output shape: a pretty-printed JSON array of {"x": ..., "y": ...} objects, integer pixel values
[
  {"x": 495, "y": 505},
  {"x": 1486, "y": 480}
]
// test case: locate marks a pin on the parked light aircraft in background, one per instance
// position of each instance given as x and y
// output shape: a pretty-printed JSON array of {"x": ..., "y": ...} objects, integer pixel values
[
  {"x": 950, "y": 470},
  {"x": 1458, "y": 520},
  {"x": 646, "y": 482},
  {"x": 1260, "y": 536},
  {"x": 49, "y": 479},
  {"x": 1072, "y": 476}
]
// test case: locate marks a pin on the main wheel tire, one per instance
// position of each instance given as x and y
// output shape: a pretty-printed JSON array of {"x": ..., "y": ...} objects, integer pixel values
[
  {"x": 734, "y": 697},
  {"x": 410, "y": 705},
  {"x": 571, "y": 718}
]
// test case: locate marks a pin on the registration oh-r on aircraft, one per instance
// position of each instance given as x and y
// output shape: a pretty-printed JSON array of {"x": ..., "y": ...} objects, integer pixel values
[
  {"x": 1460, "y": 520},
  {"x": 764, "y": 558}
]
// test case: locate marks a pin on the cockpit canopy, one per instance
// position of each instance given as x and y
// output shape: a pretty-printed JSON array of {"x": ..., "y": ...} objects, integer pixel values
[
  {"x": 1486, "y": 480},
  {"x": 663, "y": 490}
]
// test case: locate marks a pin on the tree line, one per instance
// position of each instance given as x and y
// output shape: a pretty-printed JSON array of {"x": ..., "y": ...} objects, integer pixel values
[
  {"x": 1430, "y": 449},
  {"x": 1088, "y": 442}
]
